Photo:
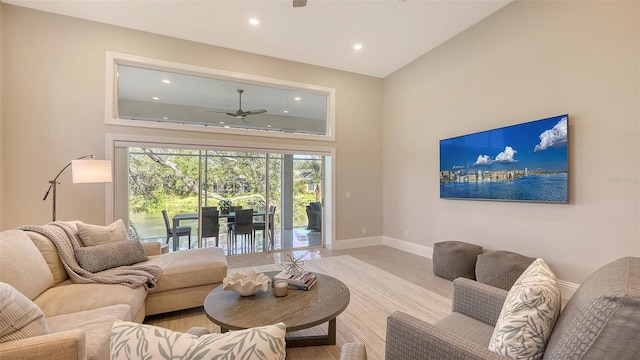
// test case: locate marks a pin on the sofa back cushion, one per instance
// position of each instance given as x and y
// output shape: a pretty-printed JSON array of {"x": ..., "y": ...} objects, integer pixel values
[
  {"x": 50, "y": 253},
  {"x": 22, "y": 265},
  {"x": 602, "y": 319},
  {"x": 20, "y": 318},
  {"x": 92, "y": 235}
]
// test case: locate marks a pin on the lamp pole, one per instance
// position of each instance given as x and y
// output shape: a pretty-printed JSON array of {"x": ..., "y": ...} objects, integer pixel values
[{"x": 54, "y": 182}]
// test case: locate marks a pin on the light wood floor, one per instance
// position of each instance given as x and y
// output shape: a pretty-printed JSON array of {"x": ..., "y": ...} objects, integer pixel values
[{"x": 413, "y": 268}]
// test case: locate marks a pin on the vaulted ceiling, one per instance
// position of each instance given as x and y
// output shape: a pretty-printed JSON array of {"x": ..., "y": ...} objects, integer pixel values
[{"x": 391, "y": 33}]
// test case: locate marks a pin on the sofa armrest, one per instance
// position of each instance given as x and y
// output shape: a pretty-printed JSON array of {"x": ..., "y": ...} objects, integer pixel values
[
  {"x": 353, "y": 351},
  {"x": 409, "y": 338},
  {"x": 69, "y": 345},
  {"x": 477, "y": 300},
  {"x": 152, "y": 248}
]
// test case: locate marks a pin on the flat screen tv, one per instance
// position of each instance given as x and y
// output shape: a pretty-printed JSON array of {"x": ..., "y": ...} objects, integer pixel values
[{"x": 523, "y": 162}]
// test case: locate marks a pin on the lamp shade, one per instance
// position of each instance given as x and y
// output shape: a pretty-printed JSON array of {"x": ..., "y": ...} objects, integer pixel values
[{"x": 91, "y": 171}]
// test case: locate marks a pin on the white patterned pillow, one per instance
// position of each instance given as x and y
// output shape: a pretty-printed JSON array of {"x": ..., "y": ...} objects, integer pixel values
[
  {"x": 20, "y": 318},
  {"x": 134, "y": 341},
  {"x": 528, "y": 315}
]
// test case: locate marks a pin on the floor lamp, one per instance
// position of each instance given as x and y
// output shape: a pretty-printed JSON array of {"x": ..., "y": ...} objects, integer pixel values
[{"x": 82, "y": 171}]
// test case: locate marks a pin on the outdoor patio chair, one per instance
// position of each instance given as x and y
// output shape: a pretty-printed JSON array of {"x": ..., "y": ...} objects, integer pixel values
[
  {"x": 211, "y": 224},
  {"x": 261, "y": 225},
  {"x": 231, "y": 219},
  {"x": 243, "y": 226},
  {"x": 179, "y": 231}
]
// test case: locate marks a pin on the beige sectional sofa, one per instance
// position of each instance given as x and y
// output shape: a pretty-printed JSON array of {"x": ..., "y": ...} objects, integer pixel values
[{"x": 79, "y": 316}]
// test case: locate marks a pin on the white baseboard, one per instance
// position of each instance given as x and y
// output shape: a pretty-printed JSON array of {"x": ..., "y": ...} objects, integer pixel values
[
  {"x": 422, "y": 250},
  {"x": 356, "y": 243},
  {"x": 566, "y": 288}
]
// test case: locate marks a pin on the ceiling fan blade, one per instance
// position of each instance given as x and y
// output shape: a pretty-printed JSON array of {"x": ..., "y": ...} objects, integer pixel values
[
  {"x": 241, "y": 114},
  {"x": 299, "y": 3}
]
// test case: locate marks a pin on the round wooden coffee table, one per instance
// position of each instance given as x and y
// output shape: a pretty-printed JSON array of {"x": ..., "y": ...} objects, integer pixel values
[{"x": 298, "y": 310}]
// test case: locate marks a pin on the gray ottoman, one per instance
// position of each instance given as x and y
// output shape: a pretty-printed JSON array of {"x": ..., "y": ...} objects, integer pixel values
[
  {"x": 501, "y": 269},
  {"x": 454, "y": 259}
]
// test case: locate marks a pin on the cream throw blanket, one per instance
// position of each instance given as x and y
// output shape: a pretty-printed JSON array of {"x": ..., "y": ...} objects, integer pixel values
[{"x": 66, "y": 240}]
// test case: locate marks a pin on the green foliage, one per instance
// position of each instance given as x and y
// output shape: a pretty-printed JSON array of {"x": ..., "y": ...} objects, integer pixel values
[
  {"x": 224, "y": 205},
  {"x": 154, "y": 184}
]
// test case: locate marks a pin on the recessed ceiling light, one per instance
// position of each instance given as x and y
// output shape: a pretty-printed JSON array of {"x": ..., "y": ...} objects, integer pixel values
[
  {"x": 221, "y": 122},
  {"x": 166, "y": 81},
  {"x": 165, "y": 118},
  {"x": 155, "y": 98},
  {"x": 254, "y": 21},
  {"x": 286, "y": 111},
  {"x": 297, "y": 98},
  {"x": 268, "y": 126},
  {"x": 357, "y": 47}
]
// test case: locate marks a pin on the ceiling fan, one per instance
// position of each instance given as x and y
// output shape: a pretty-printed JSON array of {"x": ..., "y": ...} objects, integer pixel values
[{"x": 241, "y": 114}]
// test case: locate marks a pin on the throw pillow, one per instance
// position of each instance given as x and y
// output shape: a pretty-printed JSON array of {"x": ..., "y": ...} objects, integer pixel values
[
  {"x": 92, "y": 235},
  {"x": 528, "y": 315},
  {"x": 107, "y": 256},
  {"x": 139, "y": 341},
  {"x": 20, "y": 318}
]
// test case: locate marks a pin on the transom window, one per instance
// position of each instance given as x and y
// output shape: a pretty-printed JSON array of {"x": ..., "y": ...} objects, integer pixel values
[{"x": 154, "y": 93}]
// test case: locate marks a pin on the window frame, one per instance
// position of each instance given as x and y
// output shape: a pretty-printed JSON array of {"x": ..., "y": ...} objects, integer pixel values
[
  {"x": 113, "y": 59},
  {"x": 113, "y": 140}
]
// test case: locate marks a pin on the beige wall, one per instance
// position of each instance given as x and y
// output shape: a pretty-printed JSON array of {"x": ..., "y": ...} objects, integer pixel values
[
  {"x": 1, "y": 142},
  {"x": 54, "y": 74},
  {"x": 528, "y": 61}
]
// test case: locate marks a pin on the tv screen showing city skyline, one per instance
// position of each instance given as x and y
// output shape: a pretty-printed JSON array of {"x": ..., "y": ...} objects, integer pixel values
[{"x": 523, "y": 162}]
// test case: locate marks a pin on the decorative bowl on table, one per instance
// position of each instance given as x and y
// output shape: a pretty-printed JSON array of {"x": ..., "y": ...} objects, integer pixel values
[{"x": 246, "y": 285}]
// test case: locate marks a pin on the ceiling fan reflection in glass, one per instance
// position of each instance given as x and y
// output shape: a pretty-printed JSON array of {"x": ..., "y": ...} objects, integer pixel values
[{"x": 150, "y": 95}]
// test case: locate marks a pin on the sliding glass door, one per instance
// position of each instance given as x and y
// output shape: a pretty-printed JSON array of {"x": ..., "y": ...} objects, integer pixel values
[{"x": 282, "y": 190}]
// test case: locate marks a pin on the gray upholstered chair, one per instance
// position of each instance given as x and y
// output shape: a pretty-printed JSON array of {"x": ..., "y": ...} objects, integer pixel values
[{"x": 600, "y": 321}]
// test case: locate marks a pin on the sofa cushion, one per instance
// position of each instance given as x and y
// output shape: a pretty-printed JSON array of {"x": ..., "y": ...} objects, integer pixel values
[
  {"x": 602, "y": 319},
  {"x": 50, "y": 253},
  {"x": 528, "y": 315},
  {"x": 92, "y": 235},
  {"x": 110, "y": 255},
  {"x": 189, "y": 268},
  {"x": 22, "y": 265},
  {"x": 68, "y": 298},
  {"x": 466, "y": 327},
  {"x": 96, "y": 324},
  {"x": 138, "y": 341},
  {"x": 20, "y": 318}
]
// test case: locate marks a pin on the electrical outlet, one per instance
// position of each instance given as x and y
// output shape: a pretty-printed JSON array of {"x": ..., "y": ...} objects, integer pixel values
[
  {"x": 406, "y": 233},
  {"x": 348, "y": 195},
  {"x": 364, "y": 229}
]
